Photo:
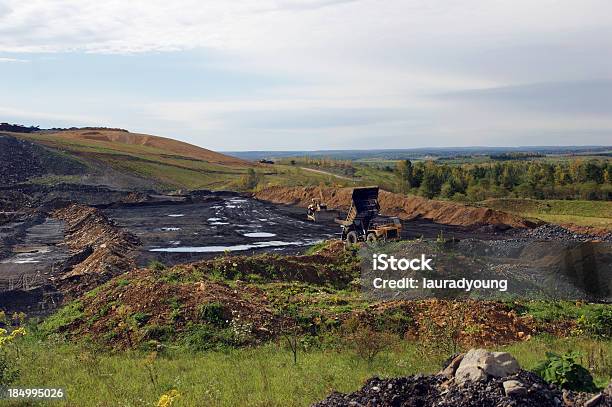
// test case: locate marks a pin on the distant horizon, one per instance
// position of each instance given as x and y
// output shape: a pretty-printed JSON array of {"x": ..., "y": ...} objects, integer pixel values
[
  {"x": 420, "y": 148},
  {"x": 322, "y": 150}
]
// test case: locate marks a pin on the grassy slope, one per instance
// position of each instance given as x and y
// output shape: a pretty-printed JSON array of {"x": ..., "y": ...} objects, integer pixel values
[
  {"x": 584, "y": 213},
  {"x": 170, "y": 163},
  {"x": 262, "y": 376}
]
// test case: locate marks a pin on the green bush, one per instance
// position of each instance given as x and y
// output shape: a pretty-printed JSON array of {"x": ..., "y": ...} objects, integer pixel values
[
  {"x": 597, "y": 323},
  {"x": 565, "y": 372}
]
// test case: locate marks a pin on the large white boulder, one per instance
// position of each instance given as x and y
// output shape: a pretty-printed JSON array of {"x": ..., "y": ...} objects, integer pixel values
[{"x": 480, "y": 364}]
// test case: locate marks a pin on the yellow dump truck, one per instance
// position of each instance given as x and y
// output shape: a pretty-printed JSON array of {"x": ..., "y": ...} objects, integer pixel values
[{"x": 362, "y": 222}]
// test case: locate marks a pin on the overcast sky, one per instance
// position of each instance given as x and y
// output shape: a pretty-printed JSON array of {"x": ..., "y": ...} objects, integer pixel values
[{"x": 314, "y": 74}]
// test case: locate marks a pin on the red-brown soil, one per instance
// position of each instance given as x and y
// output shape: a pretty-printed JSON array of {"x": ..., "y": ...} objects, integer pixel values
[
  {"x": 402, "y": 206},
  {"x": 174, "y": 147}
]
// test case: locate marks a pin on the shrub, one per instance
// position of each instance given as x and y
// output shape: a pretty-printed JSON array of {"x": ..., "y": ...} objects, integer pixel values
[
  {"x": 213, "y": 313},
  {"x": 141, "y": 318},
  {"x": 564, "y": 371},
  {"x": 597, "y": 323},
  {"x": 156, "y": 265},
  {"x": 8, "y": 372},
  {"x": 366, "y": 342}
]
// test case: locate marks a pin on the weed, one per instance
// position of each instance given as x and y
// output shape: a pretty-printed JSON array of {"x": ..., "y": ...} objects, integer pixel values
[
  {"x": 141, "y": 318},
  {"x": 598, "y": 323},
  {"x": 63, "y": 318},
  {"x": 564, "y": 371}
]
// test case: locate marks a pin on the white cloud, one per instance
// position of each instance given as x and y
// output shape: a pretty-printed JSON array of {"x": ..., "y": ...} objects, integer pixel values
[
  {"x": 13, "y": 60},
  {"x": 374, "y": 64},
  {"x": 29, "y": 116}
]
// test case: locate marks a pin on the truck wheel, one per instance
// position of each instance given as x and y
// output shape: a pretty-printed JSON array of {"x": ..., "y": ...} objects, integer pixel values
[
  {"x": 351, "y": 237},
  {"x": 371, "y": 238}
]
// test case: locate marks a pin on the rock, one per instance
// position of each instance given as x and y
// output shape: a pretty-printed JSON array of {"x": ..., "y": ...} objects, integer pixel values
[
  {"x": 480, "y": 364},
  {"x": 514, "y": 388},
  {"x": 594, "y": 401},
  {"x": 450, "y": 370}
]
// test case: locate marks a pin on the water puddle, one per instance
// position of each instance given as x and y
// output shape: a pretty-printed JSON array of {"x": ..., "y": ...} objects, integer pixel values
[
  {"x": 259, "y": 234},
  {"x": 234, "y": 248},
  {"x": 170, "y": 229},
  {"x": 219, "y": 223},
  {"x": 27, "y": 260},
  {"x": 214, "y": 219},
  {"x": 176, "y": 215}
]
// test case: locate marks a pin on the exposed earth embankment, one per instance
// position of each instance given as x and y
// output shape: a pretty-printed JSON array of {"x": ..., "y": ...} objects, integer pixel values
[
  {"x": 100, "y": 249},
  {"x": 402, "y": 206}
]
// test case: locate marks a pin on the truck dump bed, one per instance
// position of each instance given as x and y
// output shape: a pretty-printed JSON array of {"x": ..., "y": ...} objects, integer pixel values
[{"x": 364, "y": 206}]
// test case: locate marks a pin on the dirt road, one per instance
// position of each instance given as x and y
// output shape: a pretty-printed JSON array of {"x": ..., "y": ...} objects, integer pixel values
[{"x": 329, "y": 173}]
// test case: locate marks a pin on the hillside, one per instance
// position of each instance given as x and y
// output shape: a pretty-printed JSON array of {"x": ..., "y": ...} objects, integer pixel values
[{"x": 130, "y": 160}]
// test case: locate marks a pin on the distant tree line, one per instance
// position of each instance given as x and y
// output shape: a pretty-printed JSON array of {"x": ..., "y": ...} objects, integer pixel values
[
  {"x": 18, "y": 128},
  {"x": 576, "y": 179}
]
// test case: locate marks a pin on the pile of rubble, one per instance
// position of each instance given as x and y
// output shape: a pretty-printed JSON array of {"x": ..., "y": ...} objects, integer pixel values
[
  {"x": 556, "y": 232},
  {"x": 477, "y": 378},
  {"x": 21, "y": 160},
  {"x": 101, "y": 250}
]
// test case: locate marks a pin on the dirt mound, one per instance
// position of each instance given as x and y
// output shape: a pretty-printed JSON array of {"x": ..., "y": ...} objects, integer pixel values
[
  {"x": 179, "y": 148},
  {"x": 477, "y": 378},
  {"x": 426, "y": 391},
  {"x": 569, "y": 233},
  {"x": 320, "y": 268},
  {"x": 146, "y": 305},
  {"x": 219, "y": 300},
  {"x": 469, "y": 322},
  {"x": 603, "y": 233},
  {"x": 101, "y": 250},
  {"x": 402, "y": 206}
]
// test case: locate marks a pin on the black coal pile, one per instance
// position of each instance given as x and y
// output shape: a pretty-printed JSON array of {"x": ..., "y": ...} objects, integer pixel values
[
  {"x": 556, "y": 232},
  {"x": 21, "y": 160},
  {"x": 468, "y": 386}
]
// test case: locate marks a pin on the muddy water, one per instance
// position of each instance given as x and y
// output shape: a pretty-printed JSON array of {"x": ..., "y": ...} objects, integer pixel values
[
  {"x": 180, "y": 232},
  {"x": 32, "y": 249}
]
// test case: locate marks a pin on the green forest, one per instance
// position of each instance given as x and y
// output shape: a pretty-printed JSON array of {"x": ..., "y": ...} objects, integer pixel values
[{"x": 588, "y": 179}]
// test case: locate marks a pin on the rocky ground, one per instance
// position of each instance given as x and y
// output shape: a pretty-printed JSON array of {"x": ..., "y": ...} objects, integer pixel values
[
  {"x": 21, "y": 160},
  {"x": 476, "y": 379},
  {"x": 556, "y": 232}
]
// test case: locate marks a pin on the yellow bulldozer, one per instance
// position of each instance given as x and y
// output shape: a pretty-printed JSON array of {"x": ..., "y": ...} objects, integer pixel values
[
  {"x": 315, "y": 206},
  {"x": 362, "y": 222}
]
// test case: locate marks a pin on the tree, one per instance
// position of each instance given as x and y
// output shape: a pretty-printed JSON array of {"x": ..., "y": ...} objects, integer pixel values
[
  {"x": 404, "y": 173},
  {"x": 250, "y": 179}
]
